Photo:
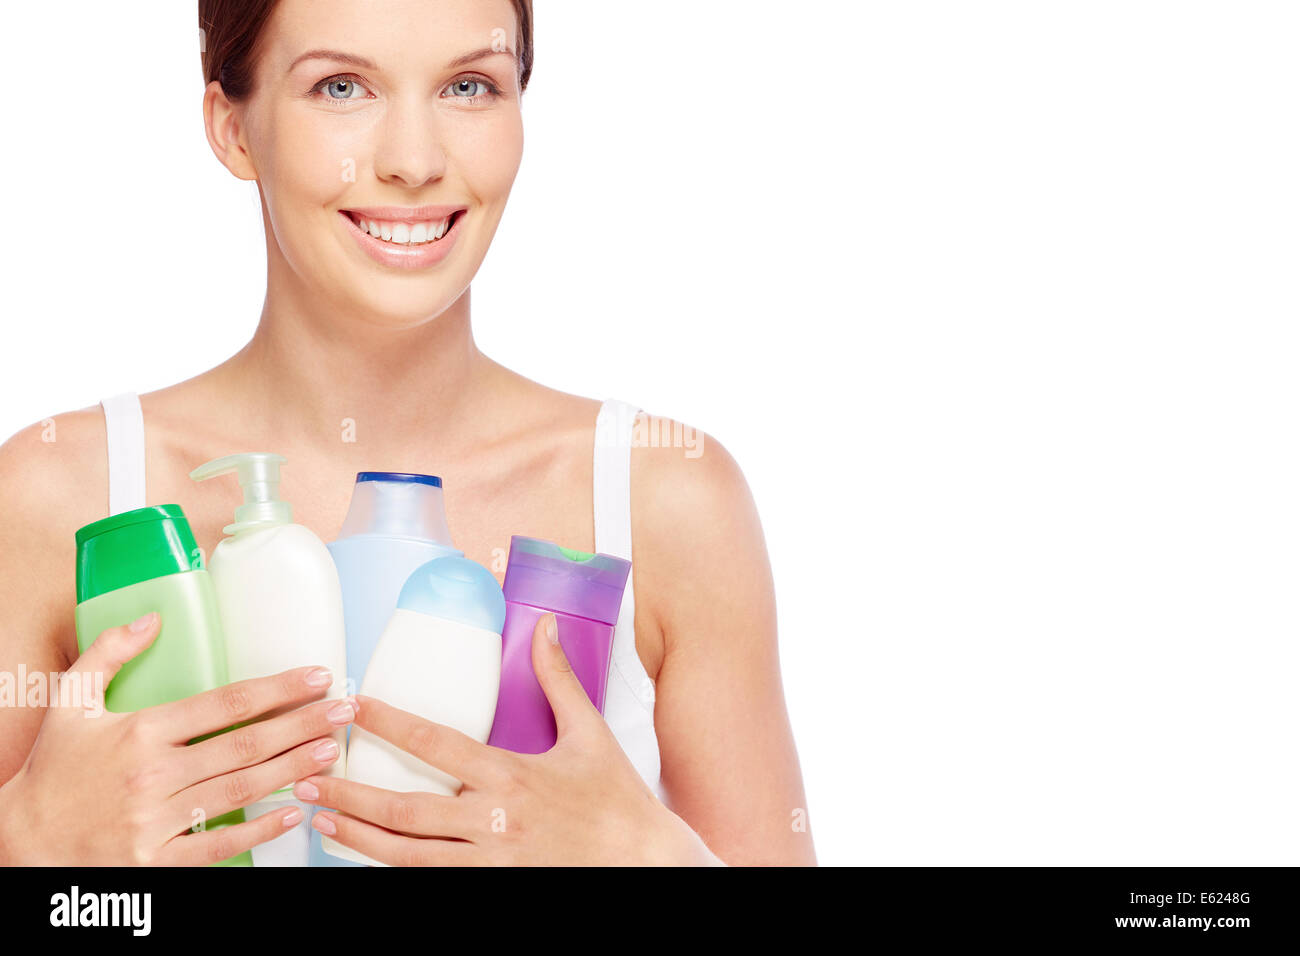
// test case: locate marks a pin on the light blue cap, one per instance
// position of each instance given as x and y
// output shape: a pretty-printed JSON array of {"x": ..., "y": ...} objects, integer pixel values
[{"x": 455, "y": 589}]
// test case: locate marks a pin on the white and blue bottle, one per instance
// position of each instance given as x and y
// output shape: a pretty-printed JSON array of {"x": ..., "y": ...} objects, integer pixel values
[
  {"x": 439, "y": 658},
  {"x": 396, "y": 522}
]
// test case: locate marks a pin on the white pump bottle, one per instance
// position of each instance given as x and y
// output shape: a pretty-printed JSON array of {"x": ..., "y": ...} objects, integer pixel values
[{"x": 281, "y": 607}]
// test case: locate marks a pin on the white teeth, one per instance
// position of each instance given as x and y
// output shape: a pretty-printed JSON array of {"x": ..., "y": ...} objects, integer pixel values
[{"x": 405, "y": 233}]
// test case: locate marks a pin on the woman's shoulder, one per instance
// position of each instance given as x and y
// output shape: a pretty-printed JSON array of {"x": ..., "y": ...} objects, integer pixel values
[
  {"x": 54, "y": 474},
  {"x": 680, "y": 467},
  {"x": 679, "y": 472},
  {"x": 696, "y": 535},
  {"x": 56, "y": 469}
]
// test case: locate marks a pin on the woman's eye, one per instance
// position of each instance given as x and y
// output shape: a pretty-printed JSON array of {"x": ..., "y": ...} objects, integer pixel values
[
  {"x": 471, "y": 88},
  {"x": 341, "y": 88}
]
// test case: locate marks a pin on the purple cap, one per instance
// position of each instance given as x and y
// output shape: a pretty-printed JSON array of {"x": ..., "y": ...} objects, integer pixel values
[{"x": 565, "y": 581}]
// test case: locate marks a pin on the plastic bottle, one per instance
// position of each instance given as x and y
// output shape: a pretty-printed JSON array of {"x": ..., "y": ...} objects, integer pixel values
[
  {"x": 395, "y": 523},
  {"x": 281, "y": 607},
  {"x": 585, "y": 592},
  {"x": 439, "y": 658},
  {"x": 145, "y": 560}
]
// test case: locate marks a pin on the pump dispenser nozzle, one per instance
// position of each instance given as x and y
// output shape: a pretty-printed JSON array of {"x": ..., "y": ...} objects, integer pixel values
[{"x": 259, "y": 476}]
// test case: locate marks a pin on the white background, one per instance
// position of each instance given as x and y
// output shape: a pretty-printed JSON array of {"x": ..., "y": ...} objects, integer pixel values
[{"x": 994, "y": 302}]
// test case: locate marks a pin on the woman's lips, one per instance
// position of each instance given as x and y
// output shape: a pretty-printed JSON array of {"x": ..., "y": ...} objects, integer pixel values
[{"x": 401, "y": 255}]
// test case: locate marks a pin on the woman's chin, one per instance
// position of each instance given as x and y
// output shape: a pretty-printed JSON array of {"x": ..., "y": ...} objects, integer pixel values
[{"x": 398, "y": 312}]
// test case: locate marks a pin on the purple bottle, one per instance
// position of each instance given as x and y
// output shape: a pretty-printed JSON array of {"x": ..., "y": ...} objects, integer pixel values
[{"x": 585, "y": 592}]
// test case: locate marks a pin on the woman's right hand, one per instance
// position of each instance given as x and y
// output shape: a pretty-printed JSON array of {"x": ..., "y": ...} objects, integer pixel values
[{"x": 102, "y": 788}]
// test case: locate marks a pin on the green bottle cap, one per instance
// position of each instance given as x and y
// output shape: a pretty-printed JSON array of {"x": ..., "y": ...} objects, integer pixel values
[{"x": 134, "y": 546}]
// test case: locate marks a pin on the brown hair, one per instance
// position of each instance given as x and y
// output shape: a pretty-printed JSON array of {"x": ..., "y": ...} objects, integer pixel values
[{"x": 231, "y": 29}]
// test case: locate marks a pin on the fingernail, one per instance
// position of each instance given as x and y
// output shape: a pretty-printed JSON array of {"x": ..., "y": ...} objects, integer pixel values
[
  {"x": 143, "y": 623},
  {"x": 552, "y": 632},
  {"x": 304, "y": 790},
  {"x": 324, "y": 824},
  {"x": 326, "y": 751},
  {"x": 320, "y": 677},
  {"x": 292, "y": 818},
  {"x": 340, "y": 713}
]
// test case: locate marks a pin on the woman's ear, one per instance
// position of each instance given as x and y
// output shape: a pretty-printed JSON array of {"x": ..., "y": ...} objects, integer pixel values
[{"x": 221, "y": 120}]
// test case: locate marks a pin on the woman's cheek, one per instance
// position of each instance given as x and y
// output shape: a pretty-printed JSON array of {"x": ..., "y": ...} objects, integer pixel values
[
  {"x": 494, "y": 140},
  {"x": 309, "y": 165},
  {"x": 325, "y": 157},
  {"x": 488, "y": 155}
]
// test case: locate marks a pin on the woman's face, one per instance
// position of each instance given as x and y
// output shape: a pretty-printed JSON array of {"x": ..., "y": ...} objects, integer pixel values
[{"x": 432, "y": 119}]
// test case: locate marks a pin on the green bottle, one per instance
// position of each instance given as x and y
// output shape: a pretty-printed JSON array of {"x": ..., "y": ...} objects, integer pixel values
[{"x": 146, "y": 560}]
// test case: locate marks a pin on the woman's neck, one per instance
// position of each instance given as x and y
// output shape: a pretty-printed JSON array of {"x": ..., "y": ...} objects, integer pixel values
[{"x": 328, "y": 383}]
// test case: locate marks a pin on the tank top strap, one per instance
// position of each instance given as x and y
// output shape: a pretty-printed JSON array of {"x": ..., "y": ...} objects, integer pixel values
[
  {"x": 124, "y": 420},
  {"x": 612, "y": 497},
  {"x": 612, "y": 478}
]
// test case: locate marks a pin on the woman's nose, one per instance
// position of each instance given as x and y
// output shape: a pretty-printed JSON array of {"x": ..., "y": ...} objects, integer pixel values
[{"x": 410, "y": 149}]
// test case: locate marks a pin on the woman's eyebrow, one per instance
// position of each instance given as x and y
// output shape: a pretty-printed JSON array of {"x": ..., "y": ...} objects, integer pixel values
[
  {"x": 479, "y": 55},
  {"x": 361, "y": 61},
  {"x": 338, "y": 55}
]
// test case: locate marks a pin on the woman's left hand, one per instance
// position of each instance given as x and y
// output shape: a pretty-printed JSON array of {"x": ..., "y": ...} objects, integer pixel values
[{"x": 579, "y": 803}]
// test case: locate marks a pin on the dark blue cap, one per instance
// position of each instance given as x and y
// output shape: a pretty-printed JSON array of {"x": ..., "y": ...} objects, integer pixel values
[{"x": 399, "y": 476}]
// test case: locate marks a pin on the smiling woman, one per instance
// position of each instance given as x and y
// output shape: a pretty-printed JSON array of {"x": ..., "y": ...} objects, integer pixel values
[{"x": 384, "y": 140}]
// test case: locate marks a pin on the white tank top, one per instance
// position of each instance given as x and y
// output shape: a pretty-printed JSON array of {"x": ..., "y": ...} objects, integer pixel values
[{"x": 630, "y": 695}]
